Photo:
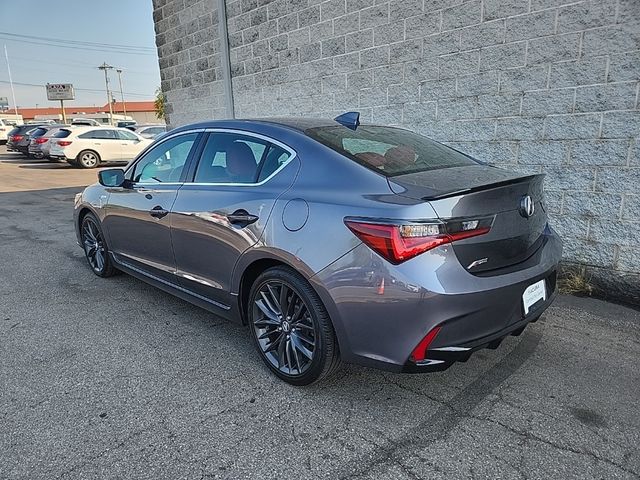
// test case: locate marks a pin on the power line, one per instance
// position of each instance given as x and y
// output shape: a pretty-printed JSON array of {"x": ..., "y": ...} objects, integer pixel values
[
  {"x": 79, "y": 42},
  {"x": 111, "y": 50},
  {"x": 78, "y": 65},
  {"x": 79, "y": 89}
]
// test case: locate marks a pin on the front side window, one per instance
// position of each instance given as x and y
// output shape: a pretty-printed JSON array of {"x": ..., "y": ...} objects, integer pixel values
[
  {"x": 389, "y": 151},
  {"x": 164, "y": 162},
  {"x": 231, "y": 158},
  {"x": 125, "y": 135}
]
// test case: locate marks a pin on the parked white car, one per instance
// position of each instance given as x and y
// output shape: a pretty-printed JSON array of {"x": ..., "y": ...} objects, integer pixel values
[
  {"x": 5, "y": 127},
  {"x": 88, "y": 147}
]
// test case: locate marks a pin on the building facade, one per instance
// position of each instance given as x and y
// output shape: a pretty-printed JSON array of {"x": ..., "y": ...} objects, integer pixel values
[{"x": 537, "y": 86}]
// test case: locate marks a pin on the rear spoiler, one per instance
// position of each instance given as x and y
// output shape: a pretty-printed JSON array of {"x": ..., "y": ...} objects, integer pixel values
[{"x": 479, "y": 188}]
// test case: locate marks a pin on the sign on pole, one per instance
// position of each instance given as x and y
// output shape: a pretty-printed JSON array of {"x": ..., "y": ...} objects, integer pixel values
[{"x": 60, "y": 91}]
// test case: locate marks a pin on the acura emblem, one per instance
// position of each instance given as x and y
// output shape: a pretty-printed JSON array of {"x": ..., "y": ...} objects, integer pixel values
[{"x": 527, "y": 207}]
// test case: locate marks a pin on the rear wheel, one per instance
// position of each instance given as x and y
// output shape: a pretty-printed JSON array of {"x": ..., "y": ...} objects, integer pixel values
[
  {"x": 291, "y": 328},
  {"x": 88, "y": 159},
  {"x": 95, "y": 247}
]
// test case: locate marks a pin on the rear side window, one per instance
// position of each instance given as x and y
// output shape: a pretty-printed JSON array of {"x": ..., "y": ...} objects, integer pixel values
[
  {"x": 230, "y": 158},
  {"x": 63, "y": 133},
  {"x": 101, "y": 134},
  {"x": 389, "y": 151}
]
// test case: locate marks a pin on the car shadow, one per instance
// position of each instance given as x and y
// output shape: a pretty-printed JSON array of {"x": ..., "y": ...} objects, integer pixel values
[{"x": 50, "y": 166}]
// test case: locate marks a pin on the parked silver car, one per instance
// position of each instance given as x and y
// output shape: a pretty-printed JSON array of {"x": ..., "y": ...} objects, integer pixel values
[{"x": 330, "y": 239}]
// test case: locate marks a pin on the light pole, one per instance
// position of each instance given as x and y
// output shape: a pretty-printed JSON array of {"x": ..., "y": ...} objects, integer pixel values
[
  {"x": 106, "y": 67},
  {"x": 124, "y": 104},
  {"x": 13, "y": 93}
]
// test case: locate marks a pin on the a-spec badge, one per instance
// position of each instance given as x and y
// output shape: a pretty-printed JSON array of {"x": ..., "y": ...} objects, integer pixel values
[{"x": 475, "y": 263}]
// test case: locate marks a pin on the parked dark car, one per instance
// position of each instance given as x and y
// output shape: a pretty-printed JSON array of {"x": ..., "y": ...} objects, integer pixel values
[
  {"x": 39, "y": 137},
  {"x": 18, "y": 138},
  {"x": 331, "y": 240}
]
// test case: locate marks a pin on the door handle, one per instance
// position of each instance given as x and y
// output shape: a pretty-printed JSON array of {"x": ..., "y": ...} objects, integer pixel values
[
  {"x": 158, "y": 212},
  {"x": 242, "y": 218}
]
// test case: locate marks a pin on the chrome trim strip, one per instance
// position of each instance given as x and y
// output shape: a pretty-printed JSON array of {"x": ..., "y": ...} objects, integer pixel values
[
  {"x": 451, "y": 349},
  {"x": 173, "y": 285},
  {"x": 427, "y": 362}
]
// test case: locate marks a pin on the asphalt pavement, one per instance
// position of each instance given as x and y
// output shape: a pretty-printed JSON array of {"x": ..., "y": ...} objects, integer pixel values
[{"x": 112, "y": 378}]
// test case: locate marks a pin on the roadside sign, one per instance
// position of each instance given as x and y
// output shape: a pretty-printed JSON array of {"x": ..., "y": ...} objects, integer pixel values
[
  {"x": 60, "y": 91},
  {"x": 4, "y": 102}
]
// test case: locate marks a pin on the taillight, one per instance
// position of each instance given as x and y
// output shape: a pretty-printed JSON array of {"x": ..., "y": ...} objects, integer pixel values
[
  {"x": 17, "y": 138},
  {"x": 398, "y": 242},
  {"x": 41, "y": 140},
  {"x": 64, "y": 143}
]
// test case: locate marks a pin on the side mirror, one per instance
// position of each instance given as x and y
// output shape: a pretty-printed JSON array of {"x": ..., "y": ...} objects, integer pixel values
[{"x": 113, "y": 177}]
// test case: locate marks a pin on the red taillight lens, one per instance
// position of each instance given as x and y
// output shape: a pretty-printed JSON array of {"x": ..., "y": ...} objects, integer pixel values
[
  {"x": 399, "y": 243},
  {"x": 64, "y": 143},
  {"x": 17, "y": 138},
  {"x": 420, "y": 352},
  {"x": 41, "y": 140}
]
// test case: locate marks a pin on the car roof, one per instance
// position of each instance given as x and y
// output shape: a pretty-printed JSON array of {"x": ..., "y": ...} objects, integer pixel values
[{"x": 293, "y": 123}]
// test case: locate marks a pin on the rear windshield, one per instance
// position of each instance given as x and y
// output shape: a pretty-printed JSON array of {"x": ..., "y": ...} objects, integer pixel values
[
  {"x": 64, "y": 133},
  {"x": 389, "y": 151},
  {"x": 38, "y": 132}
]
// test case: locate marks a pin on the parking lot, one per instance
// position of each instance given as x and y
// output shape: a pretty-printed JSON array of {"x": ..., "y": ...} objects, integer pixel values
[{"x": 111, "y": 378}]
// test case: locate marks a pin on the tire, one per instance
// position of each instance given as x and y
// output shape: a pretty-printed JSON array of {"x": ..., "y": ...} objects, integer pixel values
[
  {"x": 88, "y": 159},
  {"x": 95, "y": 247},
  {"x": 299, "y": 347}
]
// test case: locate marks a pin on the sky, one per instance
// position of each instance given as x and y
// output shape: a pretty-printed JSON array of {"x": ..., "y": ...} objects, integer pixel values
[{"x": 80, "y": 24}]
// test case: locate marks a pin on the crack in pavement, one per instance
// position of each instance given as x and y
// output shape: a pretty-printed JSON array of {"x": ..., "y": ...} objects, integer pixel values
[{"x": 440, "y": 424}]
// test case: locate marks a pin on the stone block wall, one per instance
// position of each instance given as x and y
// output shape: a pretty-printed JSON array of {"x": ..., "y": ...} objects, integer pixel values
[
  {"x": 537, "y": 86},
  {"x": 189, "y": 54}
]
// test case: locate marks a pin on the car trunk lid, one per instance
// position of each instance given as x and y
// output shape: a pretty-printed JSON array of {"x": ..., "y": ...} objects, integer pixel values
[{"x": 472, "y": 192}]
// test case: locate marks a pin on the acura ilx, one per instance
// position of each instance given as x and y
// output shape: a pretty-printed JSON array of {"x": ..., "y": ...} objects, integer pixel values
[{"x": 330, "y": 239}]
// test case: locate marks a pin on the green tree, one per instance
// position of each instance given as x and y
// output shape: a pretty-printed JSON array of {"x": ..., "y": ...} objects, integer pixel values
[{"x": 159, "y": 104}]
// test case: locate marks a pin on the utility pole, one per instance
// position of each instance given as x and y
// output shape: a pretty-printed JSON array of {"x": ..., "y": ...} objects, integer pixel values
[
  {"x": 13, "y": 93},
  {"x": 124, "y": 104},
  {"x": 106, "y": 67}
]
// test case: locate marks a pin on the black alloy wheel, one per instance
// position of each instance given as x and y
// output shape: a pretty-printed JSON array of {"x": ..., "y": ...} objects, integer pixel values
[
  {"x": 95, "y": 248},
  {"x": 291, "y": 327}
]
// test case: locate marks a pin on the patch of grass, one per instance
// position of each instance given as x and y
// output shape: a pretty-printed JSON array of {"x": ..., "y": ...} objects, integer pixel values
[{"x": 575, "y": 281}]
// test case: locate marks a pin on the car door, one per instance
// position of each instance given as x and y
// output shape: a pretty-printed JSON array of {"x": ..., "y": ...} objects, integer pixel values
[
  {"x": 131, "y": 145},
  {"x": 104, "y": 141},
  {"x": 224, "y": 210},
  {"x": 137, "y": 215}
]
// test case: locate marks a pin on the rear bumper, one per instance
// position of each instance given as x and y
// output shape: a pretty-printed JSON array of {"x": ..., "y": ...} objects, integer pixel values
[
  {"x": 382, "y": 312},
  {"x": 442, "y": 357}
]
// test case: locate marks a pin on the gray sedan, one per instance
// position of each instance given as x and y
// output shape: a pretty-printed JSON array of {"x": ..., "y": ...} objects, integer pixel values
[{"x": 331, "y": 240}]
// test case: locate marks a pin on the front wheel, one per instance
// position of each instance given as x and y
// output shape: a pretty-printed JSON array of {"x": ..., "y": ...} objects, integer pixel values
[
  {"x": 291, "y": 328},
  {"x": 88, "y": 159},
  {"x": 95, "y": 247}
]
